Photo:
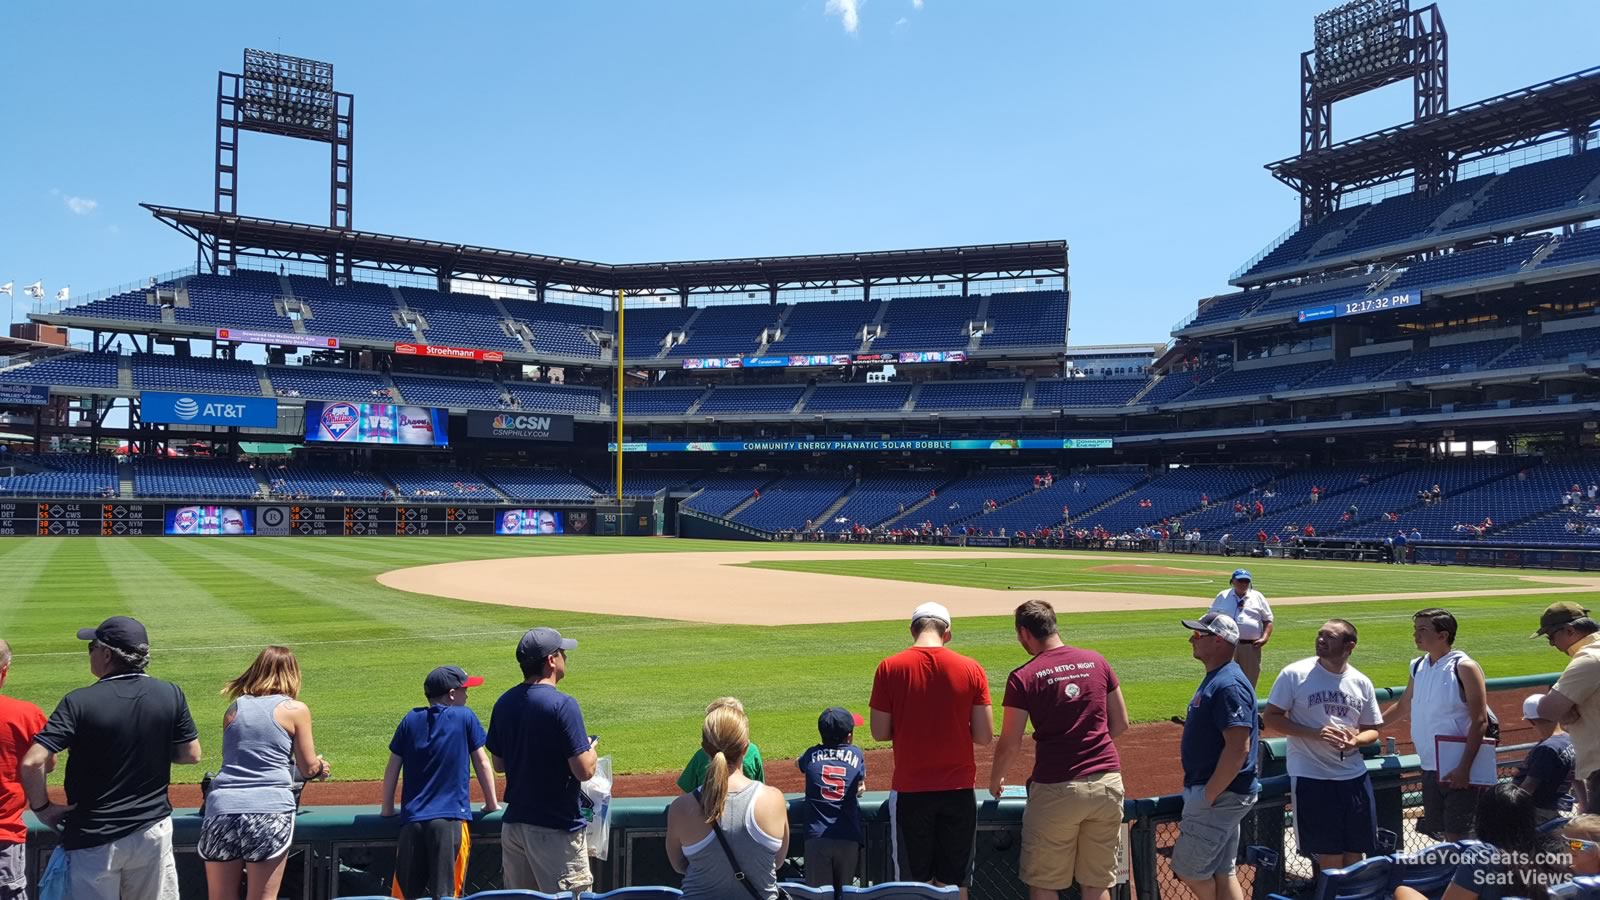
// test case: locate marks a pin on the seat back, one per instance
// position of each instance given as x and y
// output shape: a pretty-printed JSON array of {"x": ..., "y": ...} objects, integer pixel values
[
  {"x": 636, "y": 893},
  {"x": 1428, "y": 871},
  {"x": 903, "y": 890},
  {"x": 509, "y": 894},
  {"x": 1366, "y": 880},
  {"x": 1584, "y": 887},
  {"x": 798, "y": 891}
]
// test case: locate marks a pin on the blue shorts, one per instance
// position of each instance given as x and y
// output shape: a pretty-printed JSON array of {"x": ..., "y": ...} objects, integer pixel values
[{"x": 1334, "y": 816}]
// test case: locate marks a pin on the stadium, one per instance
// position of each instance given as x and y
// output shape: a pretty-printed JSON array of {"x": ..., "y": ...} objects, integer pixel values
[{"x": 739, "y": 476}]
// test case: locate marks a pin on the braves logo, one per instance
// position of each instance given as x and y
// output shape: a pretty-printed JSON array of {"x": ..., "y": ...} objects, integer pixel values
[{"x": 338, "y": 419}]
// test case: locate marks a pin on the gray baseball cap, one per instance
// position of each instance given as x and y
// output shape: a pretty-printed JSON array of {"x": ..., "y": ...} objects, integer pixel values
[{"x": 539, "y": 643}]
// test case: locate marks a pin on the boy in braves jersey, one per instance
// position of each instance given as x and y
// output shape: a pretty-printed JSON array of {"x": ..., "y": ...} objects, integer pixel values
[{"x": 836, "y": 774}]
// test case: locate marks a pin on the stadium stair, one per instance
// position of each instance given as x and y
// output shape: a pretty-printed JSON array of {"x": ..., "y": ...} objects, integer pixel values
[
  {"x": 911, "y": 398},
  {"x": 804, "y": 397},
  {"x": 1079, "y": 518},
  {"x": 125, "y": 372},
  {"x": 695, "y": 406},
  {"x": 266, "y": 385},
  {"x": 833, "y": 509},
  {"x": 745, "y": 503},
  {"x": 1459, "y": 489},
  {"x": 1027, "y": 391},
  {"x": 125, "y": 479},
  {"x": 1134, "y": 401},
  {"x": 911, "y": 510}
]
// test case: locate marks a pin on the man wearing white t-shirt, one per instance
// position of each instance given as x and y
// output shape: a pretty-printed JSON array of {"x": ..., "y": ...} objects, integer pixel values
[
  {"x": 1245, "y": 606},
  {"x": 1329, "y": 711}
]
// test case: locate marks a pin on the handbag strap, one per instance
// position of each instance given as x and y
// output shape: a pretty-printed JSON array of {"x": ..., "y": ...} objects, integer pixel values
[{"x": 738, "y": 873}]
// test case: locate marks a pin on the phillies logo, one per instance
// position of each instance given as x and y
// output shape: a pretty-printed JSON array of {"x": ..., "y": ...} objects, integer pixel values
[{"x": 338, "y": 419}]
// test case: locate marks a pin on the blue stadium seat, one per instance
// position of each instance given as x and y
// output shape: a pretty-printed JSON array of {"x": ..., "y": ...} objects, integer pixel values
[
  {"x": 162, "y": 372},
  {"x": 903, "y": 890},
  {"x": 797, "y": 889},
  {"x": 507, "y": 894},
  {"x": 928, "y": 323},
  {"x": 1027, "y": 319},
  {"x": 540, "y": 485},
  {"x": 637, "y": 893},
  {"x": 858, "y": 397},
  {"x": 733, "y": 330},
  {"x": 1584, "y": 887},
  {"x": 1369, "y": 879},
  {"x": 358, "y": 309},
  {"x": 77, "y": 369},
  {"x": 1427, "y": 871},
  {"x": 832, "y": 326},
  {"x": 957, "y": 395},
  {"x": 532, "y": 396}
]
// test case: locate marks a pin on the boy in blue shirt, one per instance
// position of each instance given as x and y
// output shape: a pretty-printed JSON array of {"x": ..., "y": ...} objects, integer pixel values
[
  {"x": 836, "y": 774},
  {"x": 432, "y": 747}
]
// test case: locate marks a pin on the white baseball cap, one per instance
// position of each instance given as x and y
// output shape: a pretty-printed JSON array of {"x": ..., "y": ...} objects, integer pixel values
[
  {"x": 932, "y": 611},
  {"x": 1215, "y": 623},
  {"x": 1530, "y": 707}
]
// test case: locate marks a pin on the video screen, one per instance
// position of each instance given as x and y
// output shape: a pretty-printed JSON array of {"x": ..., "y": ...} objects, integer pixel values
[
  {"x": 377, "y": 423},
  {"x": 185, "y": 520},
  {"x": 530, "y": 521}
]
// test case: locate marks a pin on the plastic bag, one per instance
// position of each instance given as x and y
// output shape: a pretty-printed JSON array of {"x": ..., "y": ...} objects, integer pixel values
[
  {"x": 597, "y": 809},
  {"x": 53, "y": 882}
]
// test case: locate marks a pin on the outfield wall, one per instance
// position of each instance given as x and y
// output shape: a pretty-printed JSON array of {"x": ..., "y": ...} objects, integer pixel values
[{"x": 222, "y": 518}]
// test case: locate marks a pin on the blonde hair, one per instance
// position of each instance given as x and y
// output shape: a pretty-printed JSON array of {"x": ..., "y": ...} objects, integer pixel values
[
  {"x": 1586, "y": 828},
  {"x": 275, "y": 671},
  {"x": 725, "y": 702},
  {"x": 725, "y": 737}
]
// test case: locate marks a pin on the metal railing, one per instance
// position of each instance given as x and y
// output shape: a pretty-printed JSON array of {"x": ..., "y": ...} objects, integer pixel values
[{"x": 59, "y": 307}]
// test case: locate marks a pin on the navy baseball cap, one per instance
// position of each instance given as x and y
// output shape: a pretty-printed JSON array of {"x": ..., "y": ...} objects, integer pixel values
[
  {"x": 1241, "y": 573},
  {"x": 836, "y": 723},
  {"x": 445, "y": 679},
  {"x": 539, "y": 643},
  {"x": 122, "y": 632}
]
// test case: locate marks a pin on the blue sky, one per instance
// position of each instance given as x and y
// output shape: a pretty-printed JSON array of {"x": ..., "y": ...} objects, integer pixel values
[{"x": 637, "y": 131}]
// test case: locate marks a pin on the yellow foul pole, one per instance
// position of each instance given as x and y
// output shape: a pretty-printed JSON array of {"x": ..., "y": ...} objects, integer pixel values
[{"x": 620, "y": 378}]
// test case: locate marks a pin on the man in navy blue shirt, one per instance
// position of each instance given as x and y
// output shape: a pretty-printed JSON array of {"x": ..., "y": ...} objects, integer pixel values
[
  {"x": 836, "y": 774},
  {"x": 432, "y": 747},
  {"x": 1219, "y": 763},
  {"x": 537, "y": 738}
]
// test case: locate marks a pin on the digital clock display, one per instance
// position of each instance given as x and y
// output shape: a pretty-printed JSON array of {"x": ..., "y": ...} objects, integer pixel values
[{"x": 1361, "y": 306}]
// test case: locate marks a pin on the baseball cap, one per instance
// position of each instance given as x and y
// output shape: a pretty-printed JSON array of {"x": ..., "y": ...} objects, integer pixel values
[
  {"x": 1558, "y": 615},
  {"x": 445, "y": 679},
  {"x": 122, "y": 632},
  {"x": 539, "y": 643},
  {"x": 931, "y": 611},
  {"x": 1215, "y": 623},
  {"x": 836, "y": 722},
  {"x": 1242, "y": 573},
  {"x": 1530, "y": 707}
]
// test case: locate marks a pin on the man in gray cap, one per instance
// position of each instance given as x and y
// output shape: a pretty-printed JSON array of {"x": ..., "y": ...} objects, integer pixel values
[
  {"x": 1574, "y": 701},
  {"x": 123, "y": 734},
  {"x": 538, "y": 740}
]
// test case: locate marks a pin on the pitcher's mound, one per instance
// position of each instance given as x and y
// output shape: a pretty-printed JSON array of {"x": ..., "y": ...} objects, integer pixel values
[{"x": 1148, "y": 570}]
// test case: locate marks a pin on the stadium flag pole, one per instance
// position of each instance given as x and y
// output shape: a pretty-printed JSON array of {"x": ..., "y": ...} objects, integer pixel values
[{"x": 621, "y": 340}]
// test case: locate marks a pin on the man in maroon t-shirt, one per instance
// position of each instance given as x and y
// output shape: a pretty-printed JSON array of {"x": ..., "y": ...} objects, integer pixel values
[
  {"x": 19, "y": 722},
  {"x": 934, "y": 704},
  {"x": 1073, "y": 821}
]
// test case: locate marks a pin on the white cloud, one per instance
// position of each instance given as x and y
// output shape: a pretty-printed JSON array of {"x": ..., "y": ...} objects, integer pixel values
[
  {"x": 848, "y": 11},
  {"x": 916, "y": 4},
  {"x": 80, "y": 206},
  {"x": 900, "y": 21}
]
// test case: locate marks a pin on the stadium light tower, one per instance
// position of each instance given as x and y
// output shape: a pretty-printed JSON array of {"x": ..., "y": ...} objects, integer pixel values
[
  {"x": 1361, "y": 46},
  {"x": 290, "y": 97}
]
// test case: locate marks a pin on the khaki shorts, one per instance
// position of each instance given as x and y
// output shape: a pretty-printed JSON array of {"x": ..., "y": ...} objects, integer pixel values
[
  {"x": 1070, "y": 832},
  {"x": 544, "y": 859}
]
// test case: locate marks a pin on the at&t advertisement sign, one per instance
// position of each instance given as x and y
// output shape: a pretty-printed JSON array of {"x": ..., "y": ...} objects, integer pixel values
[{"x": 208, "y": 409}]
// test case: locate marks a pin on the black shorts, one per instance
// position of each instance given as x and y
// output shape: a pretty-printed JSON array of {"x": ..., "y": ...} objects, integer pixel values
[
  {"x": 1335, "y": 816},
  {"x": 250, "y": 837},
  {"x": 431, "y": 857},
  {"x": 935, "y": 835}
]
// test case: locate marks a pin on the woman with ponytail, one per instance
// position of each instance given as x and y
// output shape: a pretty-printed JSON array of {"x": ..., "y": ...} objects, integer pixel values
[{"x": 728, "y": 836}]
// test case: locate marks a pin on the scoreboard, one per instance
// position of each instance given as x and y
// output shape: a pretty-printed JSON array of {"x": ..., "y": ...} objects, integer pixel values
[{"x": 71, "y": 518}]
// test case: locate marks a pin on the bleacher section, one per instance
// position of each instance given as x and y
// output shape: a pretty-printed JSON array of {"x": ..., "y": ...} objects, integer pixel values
[
  {"x": 1403, "y": 217},
  {"x": 199, "y": 479},
  {"x": 327, "y": 384},
  {"x": 1051, "y": 392},
  {"x": 450, "y": 392},
  {"x": 1174, "y": 493},
  {"x": 61, "y": 475},
  {"x": 953, "y": 395},
  {"x": 728, "y": 330},
  {"x": 832, "y": 326},
  {"x": 1295, "y": 247},
  {"x": 926, "y": 323},
  {"x": 1449, "y": 358},
  {"x": 130, "y": 306},
  {"x": 965, "y": 499},
  {"x": 442, "y": 484},
  {"x": 358, "y": 309},
  {"x": 540, "y": 485},
  {"x": 1044, "y": 507},
  {"x": 858, "y": 397},
  {"x": 1483, "y": 262},
  {"x": 245, "y": 299},
  {"x": 777, "y": 399},
  {"x": 75, "y": 369},
  {"x": 324, "y": 483},
  {"x": 1029, "y": 319},
  {"x": 1262, "y": 380},
  {"x": 1554, "y": 346},
  {"x": 535, "y": 396},
  {"x": 461, "y": 320},
  {"x": 791, "y": 502},
  {"x": 1354, "y": 370},
  {"x": 215, "y": 376},
  {"x": 647, "y": 327},
  {"x": 879, "y": 498},
  {"x": 723, "y": 491},
  {"x": 1229, "y": 307},
  {"x": 660, "y": 401},
  {"x": 1580, "y": 247},
  {"x": 1534, "y": 188},
  {"x": 1174, "y": 385}
]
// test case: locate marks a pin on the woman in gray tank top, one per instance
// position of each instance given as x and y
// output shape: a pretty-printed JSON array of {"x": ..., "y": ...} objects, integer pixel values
[
  {"x": 249, "y": 820},
  {"x": 752, "y": 817}
]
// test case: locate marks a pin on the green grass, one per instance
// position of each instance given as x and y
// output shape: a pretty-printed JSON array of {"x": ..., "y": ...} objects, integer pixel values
[
  {"x": 1064, "y": 573},
  {"x": 211, "y": 604}
]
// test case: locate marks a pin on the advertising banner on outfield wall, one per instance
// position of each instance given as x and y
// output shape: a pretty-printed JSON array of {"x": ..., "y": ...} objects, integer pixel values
[
  {"x": 815, "y": 446},
  {"x": 207, "y": 409},
  {"x": 277, "y": 338},
  {"x": 24, "y": 395},
  {"x": 439, "y": 351},
  {"x": 519, "y": 426}
]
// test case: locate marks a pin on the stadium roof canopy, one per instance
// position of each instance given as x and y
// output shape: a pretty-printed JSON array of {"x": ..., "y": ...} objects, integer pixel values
[
  {"x": 361, "y": 249},
  {"x": 1495, "y": 125}
]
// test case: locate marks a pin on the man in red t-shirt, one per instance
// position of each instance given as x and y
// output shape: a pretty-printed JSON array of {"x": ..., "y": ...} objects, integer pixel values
[
  {"x": 1073, "y": 821},
  {"x": 934, "y": 704},
  {"x": 19, "y": 722}
]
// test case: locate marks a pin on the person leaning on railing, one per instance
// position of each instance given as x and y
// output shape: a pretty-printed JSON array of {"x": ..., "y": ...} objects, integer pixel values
[{"x": 1574, "y": 700}]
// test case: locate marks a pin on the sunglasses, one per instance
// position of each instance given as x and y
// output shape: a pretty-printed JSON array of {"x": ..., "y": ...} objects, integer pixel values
[{"x": 1579, "y": 845}]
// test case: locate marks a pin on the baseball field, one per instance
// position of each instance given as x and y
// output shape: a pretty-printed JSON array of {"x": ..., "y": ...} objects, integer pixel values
[{"x": 665, "y": 625}]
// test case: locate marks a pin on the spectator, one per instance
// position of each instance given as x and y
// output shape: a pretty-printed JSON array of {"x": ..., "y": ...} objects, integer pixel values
[
  {"x": 123, "y": 732},
  {"x": 1546, "y": 773},
  {"x": 933, "y": 703},
  {"x": 1445, "y": 695},
  {"x": 1218, "y": 754},
  {"x": 249, "y": 812},
  {"x": 20, "y": 722},
  {"x": 431, "y": 750},
  {"x": 1073, "y": 821},
  {"x": 537, "y": 738},
  {"x": 1576, "y": 694},
  {"x": 1311, "y": 530},
  {"x": 694, "y": 773},
  {"x": 1252, "y": 616},
  {"x": 1316, "y": 494},
  {"x": 731, "y": 830},
  {"x": 1583, "y": 836},
  {"x": 836, "y": 774},
  {"x": 1329, "y": 710},
  {"x": 1516, "y": 860},
  {"x": 1400, "y": 546}
]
